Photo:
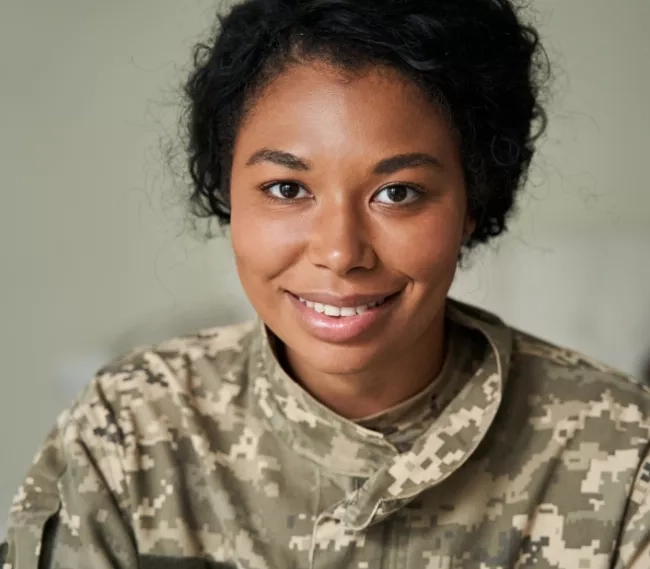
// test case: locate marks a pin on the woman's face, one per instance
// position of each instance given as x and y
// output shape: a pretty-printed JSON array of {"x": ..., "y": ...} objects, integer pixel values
[{"x": 348, "y": 213}]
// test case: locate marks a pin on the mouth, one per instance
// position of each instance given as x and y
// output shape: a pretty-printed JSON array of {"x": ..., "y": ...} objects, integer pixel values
[
  {"x": 340, "y": 320},
  {"x": 344, "y": 307}
]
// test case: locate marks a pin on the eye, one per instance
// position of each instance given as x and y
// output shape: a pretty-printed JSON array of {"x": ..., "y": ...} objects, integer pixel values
[
  {"x": 397, "y": 194},
  {"x": 286, "y": 191}
]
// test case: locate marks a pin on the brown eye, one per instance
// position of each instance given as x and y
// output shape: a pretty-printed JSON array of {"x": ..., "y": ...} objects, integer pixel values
[
  {"x": 287, "y": 191},
  {"x": 397, "y": 194}
]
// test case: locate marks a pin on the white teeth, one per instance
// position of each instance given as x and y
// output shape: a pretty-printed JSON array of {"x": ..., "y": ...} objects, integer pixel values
[
  {"x": 336, "y": 311},
  {"x": 332, "y": 310}
]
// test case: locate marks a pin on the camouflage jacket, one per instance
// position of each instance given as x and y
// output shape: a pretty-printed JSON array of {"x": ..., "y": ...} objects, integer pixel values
[{"x": 202, "y": 452}]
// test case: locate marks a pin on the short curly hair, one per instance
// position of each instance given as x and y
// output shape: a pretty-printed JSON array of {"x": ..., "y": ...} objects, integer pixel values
[{"x": 476, "y": 59}]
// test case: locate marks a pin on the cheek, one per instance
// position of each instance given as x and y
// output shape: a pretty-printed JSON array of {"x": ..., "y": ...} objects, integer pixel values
[
  {"x": 263, "y": 249},
  {"x": 426, "y": 249}
]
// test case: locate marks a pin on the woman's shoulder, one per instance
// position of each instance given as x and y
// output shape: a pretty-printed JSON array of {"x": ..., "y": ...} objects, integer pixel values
[
  {"x": 142, "y": 420},
  {"x": 567, "y": 375},
  {"x": 217, "y": 344},
  {"x": 155, "y": 388},
  {"x": 552, "y": 358},
  {"x": 208, "y": 355},
  {"x": 551, "y": 376}
]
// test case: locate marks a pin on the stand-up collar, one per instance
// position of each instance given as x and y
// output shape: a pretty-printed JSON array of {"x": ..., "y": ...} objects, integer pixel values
[{"x": 340, "y": 445}]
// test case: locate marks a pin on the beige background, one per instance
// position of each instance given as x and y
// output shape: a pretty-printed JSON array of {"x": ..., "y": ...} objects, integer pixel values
[{"x": 96, "y": 255}]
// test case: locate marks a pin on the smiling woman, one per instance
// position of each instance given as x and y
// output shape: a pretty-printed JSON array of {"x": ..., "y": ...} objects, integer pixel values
[
  {"x": 331, "y": 215},
  {"x": 356, "y": 149}
]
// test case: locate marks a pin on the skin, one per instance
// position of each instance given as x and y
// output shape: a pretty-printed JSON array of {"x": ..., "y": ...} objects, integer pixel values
[{"x": 344, "y": 234}]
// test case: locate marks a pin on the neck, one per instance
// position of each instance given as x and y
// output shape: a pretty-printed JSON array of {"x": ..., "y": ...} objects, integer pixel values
[{"x": 372, "y": 390}]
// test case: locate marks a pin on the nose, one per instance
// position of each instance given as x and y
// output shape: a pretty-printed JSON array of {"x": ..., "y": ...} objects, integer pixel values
[{"x": 339, "y": 240}]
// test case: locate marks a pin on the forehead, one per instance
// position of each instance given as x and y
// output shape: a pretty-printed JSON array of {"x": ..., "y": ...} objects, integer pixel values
[{"x": 322, "y": 107}]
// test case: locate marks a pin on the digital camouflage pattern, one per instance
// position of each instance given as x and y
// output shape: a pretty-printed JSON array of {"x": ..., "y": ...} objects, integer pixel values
[{"x": 202, "y": 452}]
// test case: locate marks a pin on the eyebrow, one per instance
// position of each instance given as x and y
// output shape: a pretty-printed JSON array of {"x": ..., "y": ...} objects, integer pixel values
[
  {"x": 386, "y": 166},
  {"x": 278, "y": 157},
  {"x": 404, "y": 161}
]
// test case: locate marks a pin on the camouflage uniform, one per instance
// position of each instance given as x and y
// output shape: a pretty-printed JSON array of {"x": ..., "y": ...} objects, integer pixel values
[{"x": 203, "y": 453}]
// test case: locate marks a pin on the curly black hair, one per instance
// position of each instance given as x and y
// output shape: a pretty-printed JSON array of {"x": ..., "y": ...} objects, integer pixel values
[{"x": 476, "y": 59}]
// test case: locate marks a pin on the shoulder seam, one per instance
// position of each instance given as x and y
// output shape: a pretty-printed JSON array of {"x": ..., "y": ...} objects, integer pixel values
[{"x": 588, "y": 362}]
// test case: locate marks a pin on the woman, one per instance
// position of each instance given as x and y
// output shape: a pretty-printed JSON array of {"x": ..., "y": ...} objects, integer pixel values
[{"x": 357, "y": 148}]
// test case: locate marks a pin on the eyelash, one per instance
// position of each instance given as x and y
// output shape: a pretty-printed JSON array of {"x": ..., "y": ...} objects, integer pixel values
[
  {"x": 266, "y": 187},
  {"x": 419, "y": 190}
]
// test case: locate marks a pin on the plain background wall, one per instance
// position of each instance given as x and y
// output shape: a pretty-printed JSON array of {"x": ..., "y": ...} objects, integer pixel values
[{"x": 97, "y": 257}]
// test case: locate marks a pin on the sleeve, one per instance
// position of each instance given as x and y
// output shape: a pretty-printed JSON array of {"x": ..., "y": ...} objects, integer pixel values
[
  {"x": 67, "y": 512},
  {"x": 634, "y": 544}
]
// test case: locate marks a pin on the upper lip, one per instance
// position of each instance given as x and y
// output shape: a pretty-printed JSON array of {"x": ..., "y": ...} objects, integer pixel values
[{"x": 349, "y": 301}]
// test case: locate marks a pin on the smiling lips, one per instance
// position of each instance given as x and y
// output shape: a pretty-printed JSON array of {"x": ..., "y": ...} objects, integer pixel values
[
  {"x": 338, "y": 306},
  {"x": 341, "y": 311},
  {"x": 341, "y": 319}
]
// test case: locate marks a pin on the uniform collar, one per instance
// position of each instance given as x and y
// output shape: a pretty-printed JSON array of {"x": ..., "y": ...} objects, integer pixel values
[
  {"x": 340, "y": 445},
  {"x": 309, "y": 427}
]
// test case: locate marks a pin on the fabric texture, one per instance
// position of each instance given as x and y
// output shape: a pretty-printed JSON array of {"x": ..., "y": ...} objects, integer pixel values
[{"x": 203, "y": 452}]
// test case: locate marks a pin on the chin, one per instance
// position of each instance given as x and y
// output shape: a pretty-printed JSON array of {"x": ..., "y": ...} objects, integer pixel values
[{"x": 341, "y": 359}]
